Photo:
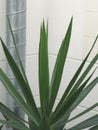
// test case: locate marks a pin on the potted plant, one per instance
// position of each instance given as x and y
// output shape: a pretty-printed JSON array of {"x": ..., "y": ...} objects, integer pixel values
[{"x": 44, "y": 118}]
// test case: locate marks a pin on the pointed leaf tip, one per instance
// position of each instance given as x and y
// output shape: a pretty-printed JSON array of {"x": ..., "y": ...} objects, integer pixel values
[{"x": 72, "y": 18}]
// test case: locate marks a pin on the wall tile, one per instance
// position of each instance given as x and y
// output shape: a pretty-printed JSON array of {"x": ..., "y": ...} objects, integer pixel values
[
  {"x": 91, "y": 23},
  {"x": 58, "y": 15},
  {"x": 2, "y": 7},
  {"x": 91, "y": 5},
  {"x": 32, "y": 73},
  {"x": 33, "y": 32},
  {"x": 2, "y": 25},
  {"x": 3, "y": 65},
  {"x": 2, "y": 93},
  {"x": 35, "y": 15},
  {"x": 2, "y": 57},
  {"x": 2, "y": 18},
  {"x": 88, "y": 42},
  {"x": 35, "y": 5}
]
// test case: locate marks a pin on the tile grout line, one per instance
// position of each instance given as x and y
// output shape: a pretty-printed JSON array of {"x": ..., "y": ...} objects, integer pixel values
[{"x": 73, "y": 59}]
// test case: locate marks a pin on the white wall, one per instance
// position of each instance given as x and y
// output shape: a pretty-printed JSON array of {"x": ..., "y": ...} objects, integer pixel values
[
  {"x": 58, "y": 14},
  {"x": 91, "y": 26},
  {"x": 90, "y": 33}
]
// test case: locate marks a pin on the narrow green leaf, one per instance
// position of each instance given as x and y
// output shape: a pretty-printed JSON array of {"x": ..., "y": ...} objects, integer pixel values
[
  {"x": 18, "y": 56},
  {"x": 82, "y": 95},
  {"x": 94, "y": 128},
  {"x": 15, "y": 124},
  {"x": 60, "y": 127},
  {"x": 86, "y": 123},
  {"x": 62, "y": 122},
  {"x": 84, "y": 74},
  {"x": 9, "y": 114},
  {"x": 33, "y": 105},
  {"x": 84, "y": 112},
  {"x": 68, "y": 103},
  {"x": 23, "y": 85},
  {"x": 44, "y": 124},
  {"x": 44, "y": 70},
  {"x": 32, "y": 125},
  {"x": 11, "y": 89},
  {"x": 59, "y": 65},
  {"x": 73, "y": 80},
  {"x": 76, "y": 86},
  {"x": 17, "y": 52}
]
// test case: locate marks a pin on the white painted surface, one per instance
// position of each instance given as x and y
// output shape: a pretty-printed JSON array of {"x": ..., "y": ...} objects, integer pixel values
[
  {"x": 90, "y": 26},
  {"x": 58, "y": 15},
  {"x": 91, "y": 5}
]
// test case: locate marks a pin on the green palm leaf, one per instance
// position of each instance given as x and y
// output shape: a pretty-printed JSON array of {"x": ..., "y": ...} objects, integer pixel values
[
  {"x": 11, "y": 89},
  {"x": 9, "y": 114},
  {"x": 44, "y": 70},
  {"x": 94, "y": 128},
  {"x": 15, "y": 124},
  {"x": 86, "y": 123},
  {"x": 84, "y": 93},
  {"x": 60, "y": 106},
  {"x": 23, "y": 85},
  {"x": 70, "y": 108},
  {"x": 14, "y": 41},
  {"x": 62, "y": 122},
  {"x": 44, "y": 117},
  {"x": 59, "y": 65},
  {"x": 69, "y": 101},
  {"x": 73, "y": 80},
  {"x": 84, "y": 112}
]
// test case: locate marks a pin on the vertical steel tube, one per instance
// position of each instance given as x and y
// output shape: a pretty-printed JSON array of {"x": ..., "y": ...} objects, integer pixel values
[{"x": 16, "y": 11}]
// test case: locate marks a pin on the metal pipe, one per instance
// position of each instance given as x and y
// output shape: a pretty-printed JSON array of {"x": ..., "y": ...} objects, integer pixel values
[{"x": 16, "y": 11}]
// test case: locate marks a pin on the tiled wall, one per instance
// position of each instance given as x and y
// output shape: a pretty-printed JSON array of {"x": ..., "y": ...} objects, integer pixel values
[
  {"x": 58, "y": 14},
  {"x": 2, "y": 34},
  {"x": 90, "y": 26},
  {"x": 90, "y": 33}
]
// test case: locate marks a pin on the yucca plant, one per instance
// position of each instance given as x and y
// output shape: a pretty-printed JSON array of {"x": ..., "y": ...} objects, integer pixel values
[{"x": 45, "y": 118}]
